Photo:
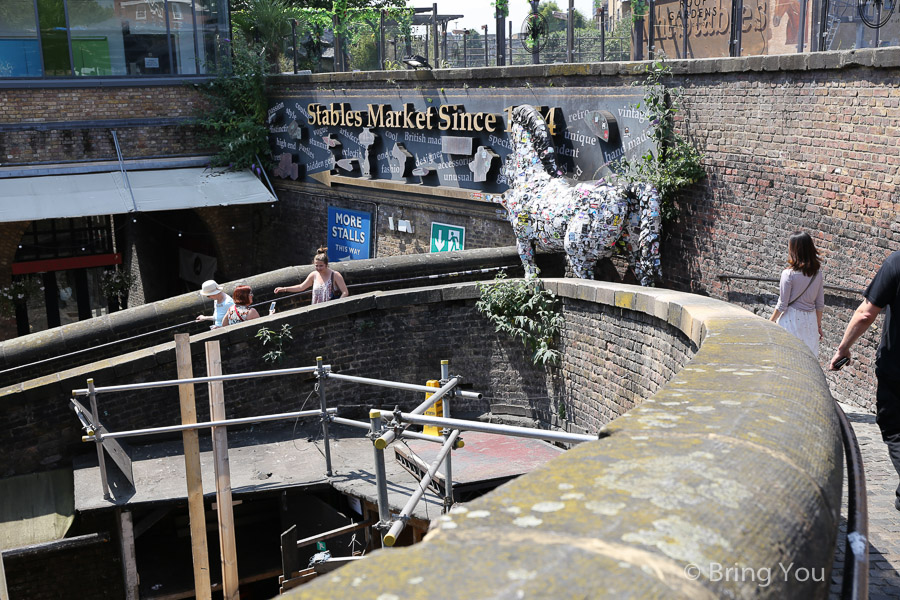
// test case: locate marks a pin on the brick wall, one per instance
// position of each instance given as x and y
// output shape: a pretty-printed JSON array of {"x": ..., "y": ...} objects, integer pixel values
[
  {"x": 302, "y": 218},
  {"x": 53, "y": 105},
  {"x": 803, "y": 141},
  {"x": 401, "y": 336}
]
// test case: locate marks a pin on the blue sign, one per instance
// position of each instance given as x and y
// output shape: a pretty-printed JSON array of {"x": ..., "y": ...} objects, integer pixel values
[{"x": 348, "y": 234}]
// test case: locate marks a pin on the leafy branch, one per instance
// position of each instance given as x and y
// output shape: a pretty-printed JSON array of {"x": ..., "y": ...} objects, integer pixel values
[
  {"x": 279, "y": 339},
  {"x": 677, "y": 164},
  {"x": 526, "y": 311}
]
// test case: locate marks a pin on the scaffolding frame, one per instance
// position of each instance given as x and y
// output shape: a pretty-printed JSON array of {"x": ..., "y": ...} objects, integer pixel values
[{"x": 384, "y": 427}]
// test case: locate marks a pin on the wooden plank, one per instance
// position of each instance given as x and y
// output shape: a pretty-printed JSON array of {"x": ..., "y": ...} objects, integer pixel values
[
  {"x": 290, "y": 558},
  {"x": 4, "y": 593},
  {"x": 129, "y": 558},
  {"x": 332, "y": 534},
  {"x": 227, "y": 545},
  {"x": 193, "y": 478}
]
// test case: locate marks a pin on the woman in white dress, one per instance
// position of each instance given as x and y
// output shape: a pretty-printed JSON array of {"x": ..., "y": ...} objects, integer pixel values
[{"x": 801, "y": 297}]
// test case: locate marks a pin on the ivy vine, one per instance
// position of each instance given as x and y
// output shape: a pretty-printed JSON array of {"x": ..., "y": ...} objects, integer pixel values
[
  {"x": 676, "y": 164},
  {"x": 525, "y": 310}
]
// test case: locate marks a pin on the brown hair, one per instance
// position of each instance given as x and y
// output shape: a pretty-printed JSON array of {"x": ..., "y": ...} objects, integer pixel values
[
  {"x": 241, "y": 295},
  {"x": 802, "y": 254},
  {"x": 322, "y": 254}
]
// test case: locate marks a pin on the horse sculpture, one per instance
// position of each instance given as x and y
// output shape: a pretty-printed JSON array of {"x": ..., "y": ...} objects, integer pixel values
[{"x": 587, "y": 220}]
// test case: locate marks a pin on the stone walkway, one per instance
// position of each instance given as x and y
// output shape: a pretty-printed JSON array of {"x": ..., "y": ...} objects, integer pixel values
[{"x": 884, "y": 519}]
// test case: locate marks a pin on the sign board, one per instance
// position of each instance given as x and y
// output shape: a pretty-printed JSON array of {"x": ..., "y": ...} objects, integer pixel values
[
  {"x": 447, "y": 238},
  {"x": 456, "y": 140},
  {"x": 349, "y": 234},
  {"x": 320, "y": 547}
]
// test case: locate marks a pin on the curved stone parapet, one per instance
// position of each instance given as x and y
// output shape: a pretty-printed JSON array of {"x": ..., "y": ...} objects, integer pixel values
[{"x": 725, "y": 483}]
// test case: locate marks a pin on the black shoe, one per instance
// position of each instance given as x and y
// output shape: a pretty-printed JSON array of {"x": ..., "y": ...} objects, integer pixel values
[{"x": 897, "y": 502}]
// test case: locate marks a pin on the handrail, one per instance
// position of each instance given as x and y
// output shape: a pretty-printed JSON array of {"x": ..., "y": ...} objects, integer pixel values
[{"x": 855, "y": 584}]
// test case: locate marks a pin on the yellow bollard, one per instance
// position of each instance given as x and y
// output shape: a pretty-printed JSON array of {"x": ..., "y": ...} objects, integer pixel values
[{"x": 435, "y": 410}]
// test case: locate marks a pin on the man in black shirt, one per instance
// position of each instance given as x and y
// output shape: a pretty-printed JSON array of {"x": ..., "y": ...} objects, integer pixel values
[{"x": 883, "y": 293}]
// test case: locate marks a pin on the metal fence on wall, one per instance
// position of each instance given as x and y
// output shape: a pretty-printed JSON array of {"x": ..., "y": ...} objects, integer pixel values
[{"x": 668, "y": 28}]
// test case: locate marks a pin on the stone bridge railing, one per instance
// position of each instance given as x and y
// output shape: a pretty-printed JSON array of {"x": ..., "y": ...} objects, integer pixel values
[
  {"x": 717, "y": 473},
  {"x": 724, "y": 483}
]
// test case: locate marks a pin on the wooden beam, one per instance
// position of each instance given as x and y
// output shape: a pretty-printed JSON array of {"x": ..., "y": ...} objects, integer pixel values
[
  {"x": 4, "y": 593},
  {"x": 129, "y": 558},
  {"x": 192, "y": 474},
  {"x": 290, "y": 558},
  {"x": 227, "y": 545},
  {"x": 333, "y": 533}
]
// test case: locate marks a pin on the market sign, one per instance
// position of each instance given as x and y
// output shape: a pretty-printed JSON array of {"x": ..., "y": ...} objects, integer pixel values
[
  {"x": 450, "y": 143},
  {"x": 447, "y": 238},
  {"x": 349, "y": 234}
]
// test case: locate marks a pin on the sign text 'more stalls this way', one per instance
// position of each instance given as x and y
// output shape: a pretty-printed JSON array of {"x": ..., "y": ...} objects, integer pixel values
[{"x": 449, "y": 143}]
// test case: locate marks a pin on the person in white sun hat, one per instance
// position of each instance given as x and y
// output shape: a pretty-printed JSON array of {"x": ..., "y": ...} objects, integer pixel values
[{"x": 221, "y": 302}]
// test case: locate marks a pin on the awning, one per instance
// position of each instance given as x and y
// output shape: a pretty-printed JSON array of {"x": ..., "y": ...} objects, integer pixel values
[{"x": 110, "y": 193}]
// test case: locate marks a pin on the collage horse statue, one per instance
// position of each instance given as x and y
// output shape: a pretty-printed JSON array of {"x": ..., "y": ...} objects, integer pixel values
[{"x": 586, "y": 220}]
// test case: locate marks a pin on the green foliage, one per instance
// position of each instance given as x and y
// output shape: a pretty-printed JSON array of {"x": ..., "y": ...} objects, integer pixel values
[
  {"x": 116, "y": 284},
  {"x": 17, "y": 293},
  {"x": 364, "y": 52},
  {"x": 546, "y": 9},
  {"x": 266, "y": 22},
  {"x": 677, "y": 163},
  {"x": 501, "y": 8},
  {"x": 524, "y": 310},
  {"x": 278, "y": 339},
  {"x": 234, "y": 120}
]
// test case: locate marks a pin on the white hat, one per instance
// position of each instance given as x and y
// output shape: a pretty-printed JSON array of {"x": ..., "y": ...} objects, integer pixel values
[{"x": 210, "y": 288}]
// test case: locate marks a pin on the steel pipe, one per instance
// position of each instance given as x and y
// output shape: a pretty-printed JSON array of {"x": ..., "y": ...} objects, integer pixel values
[
  {"x": 172, "y": 382},
  {"x": 412, "y": 387},
  {"x": 406, "y": 434},
  {"x": 390, "y": 537},
  {"x": 526, "y": 432},
  {"x": 225, "y": 422},
  {"x": 390, "y": 436}
]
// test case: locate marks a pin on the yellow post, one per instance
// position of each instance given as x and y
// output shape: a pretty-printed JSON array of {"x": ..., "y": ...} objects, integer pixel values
[{"x": 435, "y": 410}]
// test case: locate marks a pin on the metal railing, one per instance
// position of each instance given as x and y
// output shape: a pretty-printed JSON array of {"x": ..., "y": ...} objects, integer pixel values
[
  {"x": 855, "y": 583},
  {"x": 382, "y": 431}
]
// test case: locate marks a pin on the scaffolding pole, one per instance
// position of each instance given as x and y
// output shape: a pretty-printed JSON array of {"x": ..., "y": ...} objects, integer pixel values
[
  {"x": 390, "y": 436},
  {"x": 403, "y": 434},
  {"x": 391, "y": 537},
  {"x": 173, "y": 382},
  {"x": 384, "y": 507},
  {"x": 448, "y": 468},
  {"x": 322, "y": 375},
  {"x": 412, "y": 387},
  {"x": 526, "y": 432},
  {"x": 109, "y": 435},
  {"x": 95, "y": 415}
]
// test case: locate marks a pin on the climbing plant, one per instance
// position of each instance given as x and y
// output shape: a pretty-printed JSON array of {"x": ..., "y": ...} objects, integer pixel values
[
  {"x": 676, "y": 163},
  {"x": 234, "y": 116},
  {"x": 525, "y": 310}
]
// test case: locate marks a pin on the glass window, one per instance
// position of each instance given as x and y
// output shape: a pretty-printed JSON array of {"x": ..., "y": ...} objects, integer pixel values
[
  {"x": 144, "y": 33},
  {"x": 20, "y": 51},
  {"x": 181, "y": 27},
  {"x": 97, "y": 41},
  {"x": 212, "y": 27},
  {"x": 54, "y": 38}
]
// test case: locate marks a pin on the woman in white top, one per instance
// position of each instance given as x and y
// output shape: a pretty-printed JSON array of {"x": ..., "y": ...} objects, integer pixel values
[
  {"x": 323, "y": 281},
  {"x": 801, "y": 297}
]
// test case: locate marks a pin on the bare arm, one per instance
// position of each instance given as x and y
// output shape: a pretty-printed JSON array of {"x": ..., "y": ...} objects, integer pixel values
[
  {"x": 862, "y": 319},
  {"x": 775, "y": 314},
  {"x": 339, "y": 281},
  {"x": 299, "y": 287},
  {"x": 819, "y": 322}
]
